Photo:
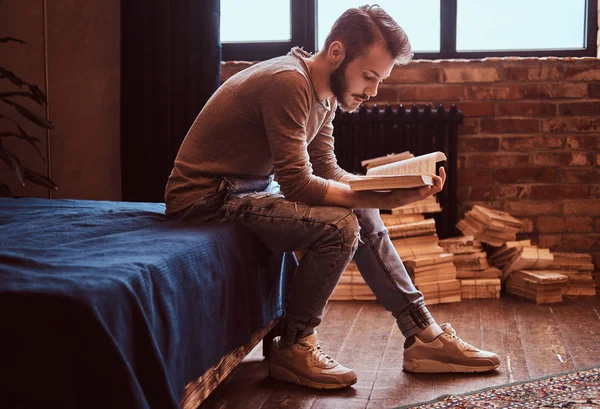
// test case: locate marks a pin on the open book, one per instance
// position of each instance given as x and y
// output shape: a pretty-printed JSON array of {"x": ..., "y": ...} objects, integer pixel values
[{"x": 407, "y": 173}]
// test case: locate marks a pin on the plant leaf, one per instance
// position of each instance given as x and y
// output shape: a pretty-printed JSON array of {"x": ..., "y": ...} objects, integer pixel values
[
  {"x": 40, "y": 99},
  {"x": 33, "y": 117},
  {"x": 13, "y": 163},
  {"x": 7, "y": 39},
  {"x": 15, "y": 93},
  {"x": 39, "y": 179},
  {"x": 38, "y": 95},
  {"x": 11, "y": 77}
]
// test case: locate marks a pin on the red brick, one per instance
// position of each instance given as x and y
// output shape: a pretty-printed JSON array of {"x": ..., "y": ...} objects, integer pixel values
[
  {"x": 583, "y": 141},
  {"x": 579, "y": 224},
  {"x": 532, "y": 207},
  {"x": 580, "y": 108},
  {"x": 560, "y": 191},
  {"x": 431, "y": 93},
  {"x": 474, "y": 177},
  {"x": 536, "y": 91},
  {"x": 590, "y": 207},
  {"x": 477, "y": 109},
  {"x": 582, "y": 73},
  {"x": 548, "y": 241},
  {"x": 534, "y": 109},
  {"x": 413, "y": 73},
  {"x": 470, "y": 126},
  {"x": 550, "y": 224},
  {"x": 463, "y": 192},
  {"x": 468, "y": 73},
  {"x": 598, "y": 159},
  {"x": 578, "y": 242},
  {"x": 493, "y": 161},
  {"x": 566, "y": 124},
  {"x": 598, "y": 225},
  {"x": 526, "y": 175},
  {"x": 536, "y": 71},
  {"x": 477, "y": 144},
  {"x": 519, "y": 73},
  {"x": 532, "y": 142},
  {"x": 562, "y": 159},
  {"x": 492, "y": 192},
  {"x": 582, "y": 175},
  {"x": 511, "y": 125},
  {"x": 594, "y": 90},
  {"x": 504, "y": 91},
  {"x": 385, "y": 94}
]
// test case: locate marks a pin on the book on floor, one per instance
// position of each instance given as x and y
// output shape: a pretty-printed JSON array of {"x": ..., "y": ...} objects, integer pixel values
[{"x": 402, "y": 174}]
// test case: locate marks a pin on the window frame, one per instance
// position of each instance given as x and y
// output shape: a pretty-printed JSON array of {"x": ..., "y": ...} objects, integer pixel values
[{"x": 304, "y": 22}]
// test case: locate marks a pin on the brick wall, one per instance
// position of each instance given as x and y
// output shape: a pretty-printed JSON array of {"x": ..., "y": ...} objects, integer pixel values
[{"x": 530, "y": 143}]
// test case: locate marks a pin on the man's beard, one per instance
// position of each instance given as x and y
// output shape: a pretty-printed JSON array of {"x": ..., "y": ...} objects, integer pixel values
[{"x": 338, "y": 83}]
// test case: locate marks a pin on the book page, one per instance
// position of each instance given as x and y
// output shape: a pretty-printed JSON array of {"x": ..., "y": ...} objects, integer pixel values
[{"x": 421, "y": 165}]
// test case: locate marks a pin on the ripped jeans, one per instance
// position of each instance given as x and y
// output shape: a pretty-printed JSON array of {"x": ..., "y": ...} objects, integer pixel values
[{"x": 331, "y": 237}]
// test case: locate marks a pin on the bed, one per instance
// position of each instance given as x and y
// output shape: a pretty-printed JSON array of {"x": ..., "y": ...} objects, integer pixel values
[{"x": 112, "y": 305}]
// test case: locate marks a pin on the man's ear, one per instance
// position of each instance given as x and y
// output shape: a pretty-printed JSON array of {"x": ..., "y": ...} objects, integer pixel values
[{"x": 336, "y": 53}]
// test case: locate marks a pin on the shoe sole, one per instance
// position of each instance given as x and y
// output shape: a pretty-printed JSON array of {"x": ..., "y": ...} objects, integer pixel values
[
  {"x": 283, "y": 374},
  {"x": 430, "y": 366}
]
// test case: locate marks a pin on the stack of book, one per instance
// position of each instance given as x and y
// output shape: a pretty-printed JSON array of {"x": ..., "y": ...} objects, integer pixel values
[
  {"x": 500, "y": 256},
  {"x": 352, "y": 286},
  {"x": 429, "y": 205},
  {"x": 431, "y": 270},
  {"x": 538, "y": 286},
  {"x": 493, "y": 227},
  {"x": 578, "y": 268},
  {"x": 477, "y": 278},
  {"x": 528, "y": 258}
]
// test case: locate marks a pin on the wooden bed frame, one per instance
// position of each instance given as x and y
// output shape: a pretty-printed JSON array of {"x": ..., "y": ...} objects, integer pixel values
[{"x": 197, "y": 391}]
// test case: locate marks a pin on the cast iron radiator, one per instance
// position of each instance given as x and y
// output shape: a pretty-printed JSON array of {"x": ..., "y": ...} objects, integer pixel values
[{"x": 376, "y": 131}]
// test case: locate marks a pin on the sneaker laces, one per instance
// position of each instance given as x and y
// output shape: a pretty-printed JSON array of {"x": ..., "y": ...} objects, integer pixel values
[
  {"x": 451, "y": 332},
  {"x": 318, "y": 354},
  {"x": 465, "y": 344}
]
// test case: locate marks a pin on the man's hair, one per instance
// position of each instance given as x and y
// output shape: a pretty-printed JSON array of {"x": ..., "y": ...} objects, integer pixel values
[{"x": 359, "y": 28}]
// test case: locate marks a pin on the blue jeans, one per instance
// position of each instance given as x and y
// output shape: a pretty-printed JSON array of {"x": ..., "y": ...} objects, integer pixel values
[{"x": 331, "y": 237}]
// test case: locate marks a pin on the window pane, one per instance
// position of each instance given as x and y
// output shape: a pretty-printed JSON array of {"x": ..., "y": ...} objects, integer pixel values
[
  {"x": 255, "y": 21},
  {"x": 420, "y": 19},
  {"x": 520, "y": 24}
]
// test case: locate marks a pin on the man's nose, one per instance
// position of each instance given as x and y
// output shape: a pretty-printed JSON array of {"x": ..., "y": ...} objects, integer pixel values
[{"x": 372, "y": 91}]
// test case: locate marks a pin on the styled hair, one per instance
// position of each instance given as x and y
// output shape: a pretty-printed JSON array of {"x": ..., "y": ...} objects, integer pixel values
[{"x": 359, "y": 28}]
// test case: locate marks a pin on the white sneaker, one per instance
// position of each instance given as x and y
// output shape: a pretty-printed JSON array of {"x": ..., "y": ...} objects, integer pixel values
[
  {"x": 305, "y": 363},
  {"x": 446, "y": 353}
]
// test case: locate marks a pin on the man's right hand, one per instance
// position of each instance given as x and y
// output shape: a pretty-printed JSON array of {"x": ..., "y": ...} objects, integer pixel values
[{"x": 340, "y": 194}]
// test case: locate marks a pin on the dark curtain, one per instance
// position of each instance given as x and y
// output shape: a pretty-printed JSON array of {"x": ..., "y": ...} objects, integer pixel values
[{"x": 170, "y": 66}]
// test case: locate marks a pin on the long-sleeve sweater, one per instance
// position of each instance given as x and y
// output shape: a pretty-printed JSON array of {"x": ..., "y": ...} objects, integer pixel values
[{"x": 265, "y": 119}]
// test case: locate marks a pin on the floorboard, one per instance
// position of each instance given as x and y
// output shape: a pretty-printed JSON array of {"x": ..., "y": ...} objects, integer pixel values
[{"x": 531, "y": 340}]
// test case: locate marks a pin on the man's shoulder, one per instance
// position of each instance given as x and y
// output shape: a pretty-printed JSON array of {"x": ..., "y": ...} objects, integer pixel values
[{"x": 285, "y": 70}]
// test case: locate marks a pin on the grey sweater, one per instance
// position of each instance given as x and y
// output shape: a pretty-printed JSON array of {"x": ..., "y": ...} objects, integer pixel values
[{"x": 265, "y": 119}]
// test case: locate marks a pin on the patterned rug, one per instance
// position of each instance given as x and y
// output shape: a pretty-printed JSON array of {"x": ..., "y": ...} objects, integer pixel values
[{"x": 575, "y": 390}]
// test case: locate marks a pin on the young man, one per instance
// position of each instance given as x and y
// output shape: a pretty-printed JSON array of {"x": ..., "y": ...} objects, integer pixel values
[{"x": 274, "y": 119}]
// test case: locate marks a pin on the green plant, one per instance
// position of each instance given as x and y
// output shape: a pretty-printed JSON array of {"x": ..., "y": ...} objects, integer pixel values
[{"x": 22, "y": 172}]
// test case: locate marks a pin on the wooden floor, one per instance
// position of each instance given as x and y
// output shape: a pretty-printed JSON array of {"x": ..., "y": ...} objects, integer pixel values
[{"x": 532, "y": 341}]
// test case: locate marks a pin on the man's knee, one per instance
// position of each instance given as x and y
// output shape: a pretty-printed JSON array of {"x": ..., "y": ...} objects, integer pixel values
[{"x": 346, "y": 225}]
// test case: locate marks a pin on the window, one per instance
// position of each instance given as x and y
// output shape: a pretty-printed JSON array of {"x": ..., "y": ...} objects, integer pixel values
[
  {"x": 436, "y": 28},
  {"x": 247, "y": 22}
]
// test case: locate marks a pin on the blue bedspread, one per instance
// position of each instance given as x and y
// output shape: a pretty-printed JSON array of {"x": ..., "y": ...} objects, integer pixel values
[{"x": 112, "y": 305}]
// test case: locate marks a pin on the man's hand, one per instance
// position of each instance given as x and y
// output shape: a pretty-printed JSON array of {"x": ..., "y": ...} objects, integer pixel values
[
  {"x": 401, "y": 197},
  {"x": 343, "y": 196}
]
